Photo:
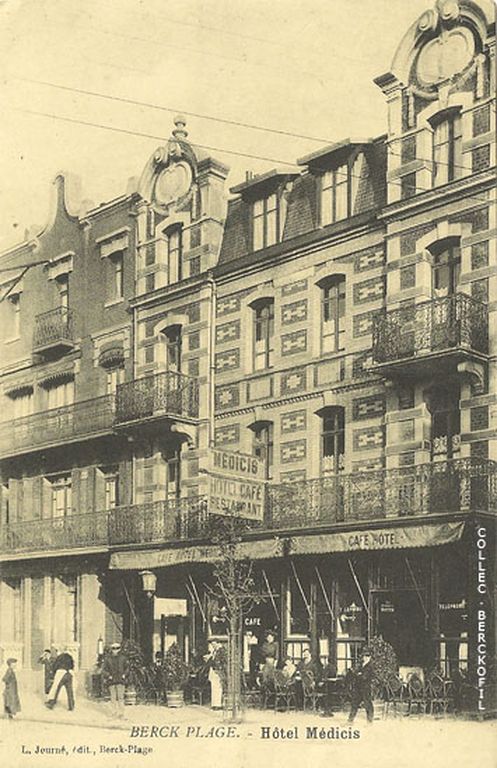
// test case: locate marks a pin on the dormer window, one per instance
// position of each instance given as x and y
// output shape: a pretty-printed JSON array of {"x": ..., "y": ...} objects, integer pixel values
[
  {"x": 174, "y": 255},
  {"x": 335, "y": 195},
  {"x": 447, "y": 148},
  {"x": 265, "y": 227}
]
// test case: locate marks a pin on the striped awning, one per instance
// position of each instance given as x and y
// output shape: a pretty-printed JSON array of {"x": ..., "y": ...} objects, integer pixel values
[{"x": 387, "y": 538}]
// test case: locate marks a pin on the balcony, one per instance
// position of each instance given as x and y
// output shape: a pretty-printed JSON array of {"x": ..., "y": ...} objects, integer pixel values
[
  {"x": 440, "y": 488},
  {"x": 55, "y": 534},
  {"x": 166, "y": 395},
  {"x": 148, "y": 523},
  {"x": 53, "y": 331},
  {"x": 459, "y": 485},
  {"x": 88, "y": 418},
  {"x": 430, "y": 337}
]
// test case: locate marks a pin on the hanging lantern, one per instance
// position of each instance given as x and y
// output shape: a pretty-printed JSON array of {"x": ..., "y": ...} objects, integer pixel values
[{"x": 149, "y": 582}]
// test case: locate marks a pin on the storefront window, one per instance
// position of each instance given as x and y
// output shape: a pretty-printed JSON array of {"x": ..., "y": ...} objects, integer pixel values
[
  {"x": 453, "y": 615},
  {"x": 298, "y": 604},
  {"x": 351, "y": 616},
  {"x": 218, "y": 622}
]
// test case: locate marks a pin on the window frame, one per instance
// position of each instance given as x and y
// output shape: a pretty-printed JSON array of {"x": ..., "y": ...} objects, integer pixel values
[
  {"x": 263, "y": 444},
  {"x": 446, "y": 151},
  {"x": 266, "y": 215},
  {"x": 337, "y": 303},
  {"x": 330, "y": 183},
  {"x": 174, "y": 237},
  {"x": 263, "y": 327},
  {"x": 336, "y": 436}
]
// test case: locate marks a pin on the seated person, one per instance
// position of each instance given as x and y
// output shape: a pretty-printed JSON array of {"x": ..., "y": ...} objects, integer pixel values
[
  {"x": 287, "y": 672},
  {"x": 309, "y": 669}
]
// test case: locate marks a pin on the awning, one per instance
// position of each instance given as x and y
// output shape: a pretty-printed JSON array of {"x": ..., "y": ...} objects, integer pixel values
[
  {"x": 207, "y": 553},
  {"x": 427, "y": 535}
]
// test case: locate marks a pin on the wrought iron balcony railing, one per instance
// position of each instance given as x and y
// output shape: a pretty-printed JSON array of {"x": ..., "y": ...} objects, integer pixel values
[
  {"x": 459, "y": 485},
  {"x": 417, "y": 330},
  {"x": 148, "y": 523},
  {"x": 53, "y": 329},
  {"x": 161, "y": 395},
  {"x": 57, "y": 425},
  {"x": 57, "y": 533}
]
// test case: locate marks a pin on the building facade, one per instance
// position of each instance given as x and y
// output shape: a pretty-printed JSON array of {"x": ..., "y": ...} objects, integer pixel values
[{"x": 334, "y": 320}]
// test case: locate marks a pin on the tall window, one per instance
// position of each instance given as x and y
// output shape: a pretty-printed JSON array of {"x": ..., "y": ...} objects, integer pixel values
[
  {"x": 63, "y": 288},
  {"x": 116, "y": 283},
  {"x": 447, "y": 150},
  {"x": 333, "y": 314},
  {"x": 265, "y": 223},
  {"x": 111, "y": 486},
  {"x": 263, "y": 444},
  {"x": 173, "y": 348},
  {"x": 173, "y": 476},
  {"x": 335, "y": 195},
  {"x": 22, "y": 404},
  {"x": 114, "y": 377},
  {"x": 446, "y": 271},
  {"x": 332, "y": 440},
  {"x": 61, "y": 496},
  {"x": 14, "y": 300},
  {"x": 174, "y": 255},
  {"x": 263, "y": 333},
  {"x": 61, "y": 395},
  {"x": 445, "y": 423}
]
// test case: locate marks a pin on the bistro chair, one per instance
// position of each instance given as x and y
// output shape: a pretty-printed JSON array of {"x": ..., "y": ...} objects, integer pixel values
[
  {"x": 312, "y": 695},
  {"x": 438, "y": 693},
  {"x": 284, "y": 693},
  {"x": 395, "y": 694},
  {"x": 416, "y": 695}
]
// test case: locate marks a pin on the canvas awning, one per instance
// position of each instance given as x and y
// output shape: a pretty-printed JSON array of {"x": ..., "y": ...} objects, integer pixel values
[{"x": 425, "y": 535}]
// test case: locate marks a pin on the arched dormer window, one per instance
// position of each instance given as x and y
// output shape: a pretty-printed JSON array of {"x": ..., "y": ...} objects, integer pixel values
[
  {"x": 332, "y": 439},
  {"x": 332, "y": 313},
  {"x": 446, "y": 267},
  {"x": 174, "y": 255},
  {"x": 263, "y": 332},
  {"x": 263, "y": 444},
  {"x": 447, "y": 146}
]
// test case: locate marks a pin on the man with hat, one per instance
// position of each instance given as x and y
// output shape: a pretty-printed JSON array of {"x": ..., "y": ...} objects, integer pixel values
[
  {"x": 114, "y": 676},
  {"x": 361, "y": 693}
]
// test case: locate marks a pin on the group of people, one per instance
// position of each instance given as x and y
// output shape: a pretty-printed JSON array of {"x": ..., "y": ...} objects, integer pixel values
[{"x": 265, "y": 671}]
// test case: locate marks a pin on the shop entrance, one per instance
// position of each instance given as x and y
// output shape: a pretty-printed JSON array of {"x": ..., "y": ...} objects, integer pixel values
[{"x": 399, "y": 617}]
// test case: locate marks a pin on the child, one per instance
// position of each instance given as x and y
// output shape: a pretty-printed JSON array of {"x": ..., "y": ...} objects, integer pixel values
[{"x": 11, "y": 695}]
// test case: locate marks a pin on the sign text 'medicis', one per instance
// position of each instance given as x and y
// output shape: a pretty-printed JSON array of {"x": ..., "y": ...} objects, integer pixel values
[{"x": 236, "y": 464}]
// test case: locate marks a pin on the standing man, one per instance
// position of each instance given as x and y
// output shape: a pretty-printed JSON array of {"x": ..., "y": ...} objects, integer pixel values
[
  {"x": 63, "y": 678},
  {"x": 114, "y": 675},
  {"x": 362, "y": 681},
  {"x": 48, "y": 658}
]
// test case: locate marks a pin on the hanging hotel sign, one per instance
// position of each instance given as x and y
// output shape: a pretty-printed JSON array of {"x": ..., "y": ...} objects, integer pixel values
[{"x": 235, "y": 484}]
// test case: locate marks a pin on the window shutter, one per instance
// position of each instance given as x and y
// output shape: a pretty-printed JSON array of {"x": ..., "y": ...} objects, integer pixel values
[
  {"x": 37, "y": 497},
  {"x": 21, "y": 508},
  {"x": 99, "y": 491},
  {"x": 76, "y": 489},
  {"x": 46, "y": 498},
  {"x": 124, "y": 483},
  {"x": 13, "y": 500},
  {"x": 91, "y": 502},
  {"x": 82, "y": 501}
]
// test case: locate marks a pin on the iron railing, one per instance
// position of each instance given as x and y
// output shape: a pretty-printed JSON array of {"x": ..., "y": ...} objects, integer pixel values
[
  {"x": 57, "y": 425},
  {"x": 53, "y": 327},
  {"x": 55, "y": 533},
  {"x": 147, "y": 523},
  {"x": 163, "y": 394},
  {"x": 432, "y": 326},
  {"x": 459, "y": 485}
]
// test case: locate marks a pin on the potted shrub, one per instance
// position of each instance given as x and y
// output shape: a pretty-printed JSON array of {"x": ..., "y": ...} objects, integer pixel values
[
  {"x": 175, "y": 675},
  {"x": 385, "y": 664},
  {"x": 135, "y": 671}
]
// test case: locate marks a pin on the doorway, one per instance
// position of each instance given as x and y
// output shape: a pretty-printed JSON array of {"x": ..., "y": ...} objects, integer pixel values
[{"x": 398, "y": 616}]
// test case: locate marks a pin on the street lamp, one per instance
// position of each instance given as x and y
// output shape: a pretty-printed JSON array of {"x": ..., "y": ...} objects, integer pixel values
[{"x": 149, "y": 582}]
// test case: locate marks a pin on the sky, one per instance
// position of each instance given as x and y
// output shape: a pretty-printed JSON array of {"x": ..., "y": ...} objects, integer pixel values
[{"x": 301, "y": 66}]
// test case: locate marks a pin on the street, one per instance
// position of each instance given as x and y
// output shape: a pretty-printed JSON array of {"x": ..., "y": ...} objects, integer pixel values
[{"x": 282, "y": 739}]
